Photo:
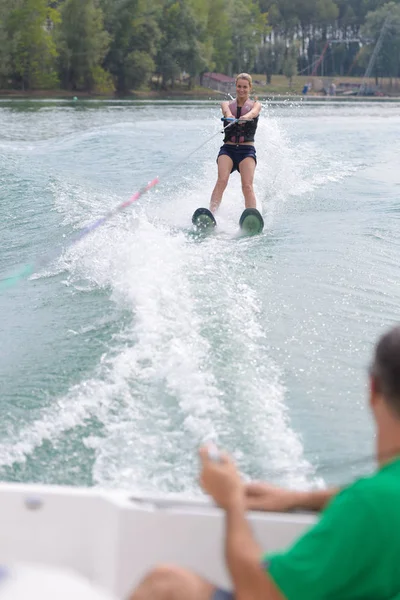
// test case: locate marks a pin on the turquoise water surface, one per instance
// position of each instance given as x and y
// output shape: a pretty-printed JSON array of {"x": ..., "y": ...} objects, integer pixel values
[{"x": 132, "y": 347}]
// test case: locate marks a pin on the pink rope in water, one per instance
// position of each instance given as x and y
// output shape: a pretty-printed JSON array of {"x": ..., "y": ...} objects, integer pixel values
[{"x": 40, "y": 262}]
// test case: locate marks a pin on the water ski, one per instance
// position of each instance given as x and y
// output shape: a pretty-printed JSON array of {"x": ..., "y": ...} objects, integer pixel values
[
  {"x": 251, "y": 221},
  {"x": 203, "y": 219}
]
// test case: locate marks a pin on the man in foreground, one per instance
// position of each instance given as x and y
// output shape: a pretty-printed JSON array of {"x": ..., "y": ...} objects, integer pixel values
[{"x": 352, "y": 552}]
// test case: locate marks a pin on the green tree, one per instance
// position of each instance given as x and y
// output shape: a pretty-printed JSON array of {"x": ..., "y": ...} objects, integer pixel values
[
  {"x": 28, "y": 55},
  {"x": 82, "y": 44},
  {"x": 270, "y": 59},
  {"x": 5, "y": 47},
  {"x": 352, "y": 14},
  {"x": 382, "y": 27},
  {"x": 248, "y": 25},
  {"x": 290, "y": 64},
  {"x": 220, "y": 31},
  {"x": 134, "y": 32},
  {"x": 283, "y": 17},
  {"x": 182, "y": 45},
  {"x": 215, "y": 21}
]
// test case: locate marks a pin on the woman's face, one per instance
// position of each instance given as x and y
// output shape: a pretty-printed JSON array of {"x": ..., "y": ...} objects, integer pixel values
[{"x": 242, "y": 88}]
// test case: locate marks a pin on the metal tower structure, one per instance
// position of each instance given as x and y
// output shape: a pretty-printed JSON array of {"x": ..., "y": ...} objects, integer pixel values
[{"x": 374, "y": 54}]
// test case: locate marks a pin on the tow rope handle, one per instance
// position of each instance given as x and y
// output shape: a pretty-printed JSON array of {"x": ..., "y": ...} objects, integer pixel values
[{"x": 234, "y": 120}]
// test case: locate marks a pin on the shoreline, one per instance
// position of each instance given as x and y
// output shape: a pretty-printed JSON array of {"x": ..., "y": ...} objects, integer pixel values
[
  {"x": 196, "y": 94},
  {"x": 138, "y": 95}
]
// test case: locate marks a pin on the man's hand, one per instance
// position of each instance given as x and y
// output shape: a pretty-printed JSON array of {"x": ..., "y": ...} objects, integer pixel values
[
  {"x": 221, "y": 480},
  {"x": 264, "y": 496}
]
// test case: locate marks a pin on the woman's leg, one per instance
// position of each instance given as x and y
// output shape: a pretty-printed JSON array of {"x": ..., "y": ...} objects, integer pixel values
[
  {"x": 246, "y": 169},
  {"x": 225, "y": 164}
]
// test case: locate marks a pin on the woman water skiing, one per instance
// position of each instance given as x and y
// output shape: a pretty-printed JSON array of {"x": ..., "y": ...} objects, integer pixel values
[{"x": 238, "y": 151}]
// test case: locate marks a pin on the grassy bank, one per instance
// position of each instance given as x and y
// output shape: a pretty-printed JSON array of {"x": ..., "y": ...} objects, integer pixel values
[
  {"x": 143, "y": 94},
  {"x": 279, "y": 86}
]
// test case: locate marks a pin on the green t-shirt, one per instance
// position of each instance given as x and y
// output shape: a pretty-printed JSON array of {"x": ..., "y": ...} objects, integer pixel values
[{"x": 353, "y": 552}]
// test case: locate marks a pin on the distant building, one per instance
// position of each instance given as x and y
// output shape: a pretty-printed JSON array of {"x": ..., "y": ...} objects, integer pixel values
[{"x": 219, "y": 82}]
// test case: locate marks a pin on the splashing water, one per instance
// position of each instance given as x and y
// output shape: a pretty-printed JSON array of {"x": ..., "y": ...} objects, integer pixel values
[{"x": 190, "y": 359}]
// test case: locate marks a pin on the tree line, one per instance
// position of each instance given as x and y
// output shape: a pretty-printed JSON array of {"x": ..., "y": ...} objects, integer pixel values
[{"x": 121, "y": 45}]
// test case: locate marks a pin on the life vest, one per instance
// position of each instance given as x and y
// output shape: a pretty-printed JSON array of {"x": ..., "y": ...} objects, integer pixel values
[{"x": 244, "y": 131}]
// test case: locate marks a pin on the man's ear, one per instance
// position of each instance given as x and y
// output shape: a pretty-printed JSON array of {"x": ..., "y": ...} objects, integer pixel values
[{"x": 373, "y": 391}]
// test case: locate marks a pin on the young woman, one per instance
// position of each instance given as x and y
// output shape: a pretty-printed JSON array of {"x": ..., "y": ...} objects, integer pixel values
[{"x": 238, "y": 151}]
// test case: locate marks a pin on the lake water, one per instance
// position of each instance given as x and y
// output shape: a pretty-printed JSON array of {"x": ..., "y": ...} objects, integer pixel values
[{"x": 132, "y": 347}]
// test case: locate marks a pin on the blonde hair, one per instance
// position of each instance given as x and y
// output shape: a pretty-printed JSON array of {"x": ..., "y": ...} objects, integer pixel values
[{"x": 245, "y": 76}]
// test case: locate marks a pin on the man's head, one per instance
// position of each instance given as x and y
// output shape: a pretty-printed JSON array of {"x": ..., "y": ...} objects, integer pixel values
[{"x": 385, "y": 374}]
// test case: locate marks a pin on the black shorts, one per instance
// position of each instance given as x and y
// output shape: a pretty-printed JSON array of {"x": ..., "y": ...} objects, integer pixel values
[{"x": 237, "y": 153}]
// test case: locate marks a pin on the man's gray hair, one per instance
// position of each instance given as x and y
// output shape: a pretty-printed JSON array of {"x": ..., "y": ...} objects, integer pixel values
[{"x": 385, "y": 368}]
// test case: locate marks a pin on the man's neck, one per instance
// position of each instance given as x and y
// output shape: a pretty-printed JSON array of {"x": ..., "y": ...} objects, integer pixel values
[{"x": 388, "y": 445}]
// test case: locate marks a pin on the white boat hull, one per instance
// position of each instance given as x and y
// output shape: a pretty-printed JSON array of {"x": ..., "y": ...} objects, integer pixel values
[{"x": 112, "y": 539}]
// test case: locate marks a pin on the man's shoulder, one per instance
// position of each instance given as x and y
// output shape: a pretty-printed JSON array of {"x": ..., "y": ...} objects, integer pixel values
[
  {"x": 382, "y": 487},
  {"x": 384, "y": 480}
]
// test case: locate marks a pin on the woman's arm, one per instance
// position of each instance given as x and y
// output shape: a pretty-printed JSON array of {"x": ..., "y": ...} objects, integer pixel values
[
  {"x": 226, "y": 111},
  {"x": 254, "y": 112}
]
